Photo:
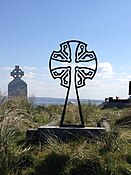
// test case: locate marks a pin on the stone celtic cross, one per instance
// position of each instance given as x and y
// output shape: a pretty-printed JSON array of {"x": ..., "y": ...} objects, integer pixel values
[
  {"x": 17, "y": 72},
  {"x": 17, "y": 87},
  {"x": 84, "y": 67}
]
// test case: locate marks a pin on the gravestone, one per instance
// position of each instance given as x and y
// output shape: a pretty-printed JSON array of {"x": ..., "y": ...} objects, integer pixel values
[
  {"x": 17, "y": 87},
  {"x": 84, "y": 67}
]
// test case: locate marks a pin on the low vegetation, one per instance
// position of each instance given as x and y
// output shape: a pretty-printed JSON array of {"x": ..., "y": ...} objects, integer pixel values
[{"x": 107, "y": 155}]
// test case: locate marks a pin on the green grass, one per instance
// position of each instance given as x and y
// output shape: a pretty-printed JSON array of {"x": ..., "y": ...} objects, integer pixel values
[{"x": 108, "y": 155}]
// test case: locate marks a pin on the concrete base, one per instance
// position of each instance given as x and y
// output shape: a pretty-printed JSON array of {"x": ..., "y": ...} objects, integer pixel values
[{"x": 62, "y": 133}]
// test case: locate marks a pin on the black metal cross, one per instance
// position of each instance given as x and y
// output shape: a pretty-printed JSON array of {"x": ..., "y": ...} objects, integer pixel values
[{"x": 81, "y": 72}]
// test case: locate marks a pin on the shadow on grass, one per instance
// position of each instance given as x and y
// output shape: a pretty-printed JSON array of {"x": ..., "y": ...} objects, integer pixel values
[
  {"x": 52, "y": 165},
  {"x": 85, "y": 167}
]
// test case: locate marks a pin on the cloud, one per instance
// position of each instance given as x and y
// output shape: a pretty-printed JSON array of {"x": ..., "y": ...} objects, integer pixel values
[
  {"x": 29, "y": 72},
  {"x": 123, "y": 73},
  {"x": 105, "y": 70},
  {"x": 29, "y": 75},
  {"x": 30, "y": 68},
  {"x": 123, "y": 67},
  {"x": 105, "y": 83},
  {"x": 41, "y": 88},
  {"x": 123, "y": 78},
  {"x": 7, "y": 68}
]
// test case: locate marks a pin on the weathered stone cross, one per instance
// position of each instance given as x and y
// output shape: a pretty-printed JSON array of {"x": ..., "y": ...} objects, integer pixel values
[{"x": 17, "y": 72}]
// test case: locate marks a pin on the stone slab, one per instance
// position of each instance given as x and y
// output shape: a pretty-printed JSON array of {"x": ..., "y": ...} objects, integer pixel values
[
  {"x": 17, "y": 87},
  {"x": 43, "y": 133}
]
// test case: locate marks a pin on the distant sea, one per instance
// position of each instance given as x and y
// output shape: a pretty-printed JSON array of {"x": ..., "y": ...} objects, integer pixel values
[{"x": 59, "y": 101}]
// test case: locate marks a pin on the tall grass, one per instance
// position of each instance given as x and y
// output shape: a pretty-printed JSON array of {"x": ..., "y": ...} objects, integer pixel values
[
  {"x": 107, "y": 155},
  {"x": 14, "y": 118}
]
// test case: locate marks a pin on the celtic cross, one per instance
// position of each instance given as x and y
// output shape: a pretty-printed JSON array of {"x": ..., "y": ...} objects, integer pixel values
[
  {"x": 85, "y": 68},
  {"x": 17, "y": 72}
]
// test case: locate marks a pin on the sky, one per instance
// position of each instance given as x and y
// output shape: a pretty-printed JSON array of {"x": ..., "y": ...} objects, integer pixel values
[{"x": 31, "y": 29}]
